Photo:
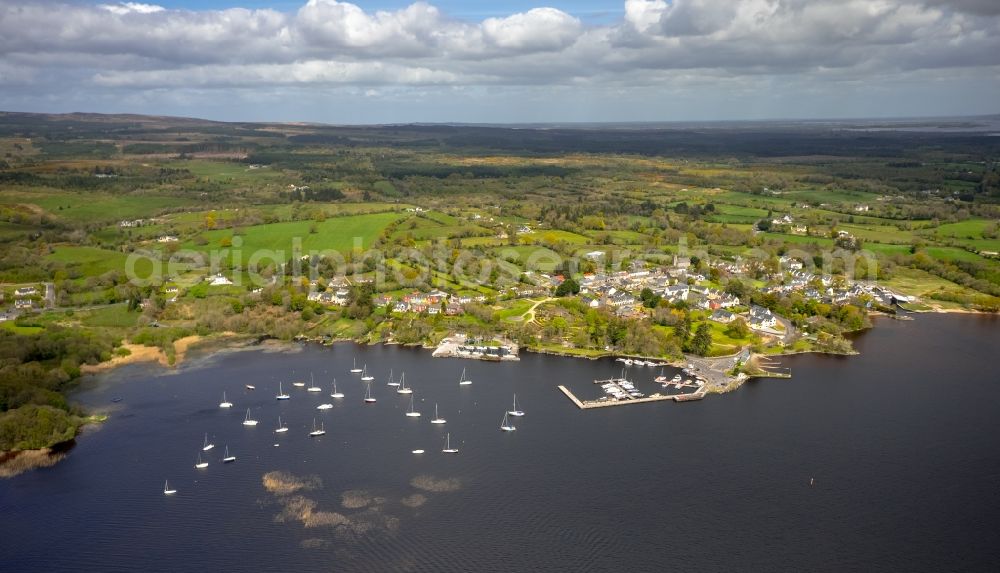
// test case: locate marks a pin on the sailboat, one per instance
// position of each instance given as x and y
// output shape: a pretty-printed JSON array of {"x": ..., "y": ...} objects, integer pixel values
[
  {"x": 225, "y": 403},
  {"x": 505, "y": 425},
  {"x": 412, "y": 413},
  {"x": 661, "y": 378},
  {"x": 402, "y": 385},
  {"x": 248, "y": 421},
  {"x": 201, "y": 463},
  {"x": 312, "y": 384},
  {"x": 281, "y": 394},
  {"x": 166, "y": 488},
  {"x": 228, "y": 458},
  {"x": 515, "y": 411},
  {"x": 207, "y": 445},
  {"x": 318, "y": 432},
  {"x": 355, "y": 369},
  {"x": 326, "y": 406},
  {"x": 391, "y": 383},
  {"x": 447, "y": 446},
  {"x": 368, "y": 395},
  {"x": 365, "y": 376},
  {"x": 281, "y": 427},
  {"x": 437, "y": 419},
  {"x": 335, "y": 393},
  {"x": 463, "y": 381}
]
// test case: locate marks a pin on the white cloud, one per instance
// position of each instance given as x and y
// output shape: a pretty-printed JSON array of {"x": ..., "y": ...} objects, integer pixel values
[{"x": 50, "y": 46}]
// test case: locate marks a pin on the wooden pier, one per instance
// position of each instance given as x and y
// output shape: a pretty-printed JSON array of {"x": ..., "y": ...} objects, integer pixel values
[{"x": 607, "y": 403}]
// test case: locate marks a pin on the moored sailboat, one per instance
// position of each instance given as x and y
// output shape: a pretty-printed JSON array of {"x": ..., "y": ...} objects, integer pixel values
[
  {"x": 167, "y": 489},
  {"x": 463, "y": 381},
  {"x": 514, "y": 411},
  {"x": 412, "y": 413},
  {"x": 437, "y": 419},
  {"x": 505, "y": 425},
  {"x": 248, "y": 421},
  {"x": 225, "y": 403},
  {"x": 320, "y": 431}
]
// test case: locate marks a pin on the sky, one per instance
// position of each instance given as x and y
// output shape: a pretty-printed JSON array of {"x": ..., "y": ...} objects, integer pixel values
[{"x": 471, "y": 61}]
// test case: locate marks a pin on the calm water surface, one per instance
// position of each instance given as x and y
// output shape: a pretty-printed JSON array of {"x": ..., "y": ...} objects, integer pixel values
[{"x": 902, "y": 442}]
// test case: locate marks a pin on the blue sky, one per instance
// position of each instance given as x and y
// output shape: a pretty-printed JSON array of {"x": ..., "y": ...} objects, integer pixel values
[{"x": 498, "y": 62}]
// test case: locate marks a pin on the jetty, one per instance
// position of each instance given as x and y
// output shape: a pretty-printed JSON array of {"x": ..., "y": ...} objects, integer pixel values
[{"x": 608, "y": 402}]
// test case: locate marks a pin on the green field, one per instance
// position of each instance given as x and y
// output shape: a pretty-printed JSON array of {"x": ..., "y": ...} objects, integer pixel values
[
  {"x": 91, "y": 261},
  {"x": 94, "y": 207},
  {"x": 336, "y": 234}
]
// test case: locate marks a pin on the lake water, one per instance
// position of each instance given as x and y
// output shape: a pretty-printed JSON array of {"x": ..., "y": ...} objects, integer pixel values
[{"x": 902, "y": 442}]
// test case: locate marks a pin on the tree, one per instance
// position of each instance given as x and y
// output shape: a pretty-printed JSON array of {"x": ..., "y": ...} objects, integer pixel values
[
  {"x": 738, "y": 329},
  {"x": 701, "y": 343},
  {"x": 567, "y": 287}
]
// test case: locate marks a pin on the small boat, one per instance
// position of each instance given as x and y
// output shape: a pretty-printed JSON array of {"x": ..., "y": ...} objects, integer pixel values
[
  {"x": 207, "y": 445},
  {"x": 298, "y": 384},
  {"x": 505, "y": 425},
  {"x": 391, "y": 383},
  {"x": 225, "y": 403},
  {"x": 319, "y": 432},
  {"x": 355, "y": 369},
  {"x": 402, "y": 385},
  {"x": 248, "y": 421},
  {"x": 324, "y": 406},
  {"x": 116, "y": 399},
  {"x": 251, "y": 387},
  {"x": 281, "y": 394},
  {"x": 418, "y": 451},
  {"x": 281, "y": 429},
  {"x": 365, "y": 376},
  {"x": 228, "y": 458},
  {"x": 627, "y": 361},
  {"x": 166, "y": 488},
  {"x": 312, "y": 385},
  {"x": 368, "y": 395},
  {"x": 437, "y": 419},
  {"x": 462, "y": 380},
  {"x": 676, "y": 378},
  {"x": 515, "y": 411},
  {"x": 412, "y": 413},
  {"x": 447, "y": 446},
  {"x": 201, "y": 463},
  {"x": 335, "y": 393}
]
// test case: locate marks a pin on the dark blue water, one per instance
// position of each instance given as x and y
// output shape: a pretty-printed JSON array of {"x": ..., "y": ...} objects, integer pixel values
[{"x": 902, "y": 442}]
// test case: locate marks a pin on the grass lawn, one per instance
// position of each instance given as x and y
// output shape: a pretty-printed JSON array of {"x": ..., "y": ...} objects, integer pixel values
[
  {"x": 553, "y": 236},
  {"x": 116, "y": 316}
]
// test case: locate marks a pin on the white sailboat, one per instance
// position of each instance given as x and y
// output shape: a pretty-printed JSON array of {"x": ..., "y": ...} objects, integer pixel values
[
  {"x": 355, "y": 369},
  {"x": 505, "y": 425},
  {"x": 391, "y": 383},
  {"x": 312, "y": 384},
  {"x": 228, "y": 458},
  {"x": 447, "y": 446},
  {"x": 402, "y": 385},
  {"x": 368, "y": 395},
  {"x": 166, "y": 488},
  {"x": 335, "y": 393},
  {"x": 225, "y": 403},
  {"x": 281, "y": 429},
  {"x": 463, "y": 381},
  {"x": 248, "y": 421},
  {"x": 365, "y": 376},
  {"x": 281, "y": 394},
  {"x": 515, "y": 411},
  {"x": 320, "y": 431},
  {"x": 412, "y": 413},
  {"x": 207, "y": 445},
  {"x": 437, "y": 419},
  {"x": 201, "y": 463}
]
